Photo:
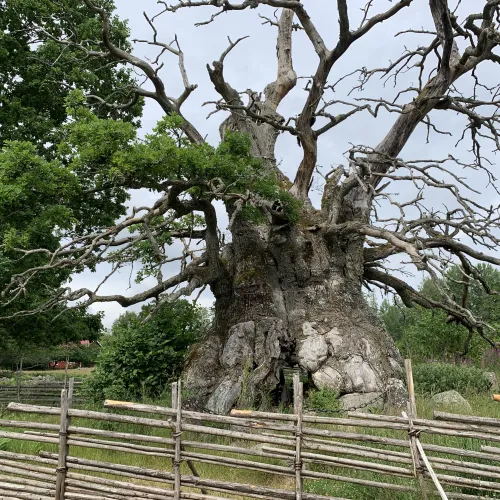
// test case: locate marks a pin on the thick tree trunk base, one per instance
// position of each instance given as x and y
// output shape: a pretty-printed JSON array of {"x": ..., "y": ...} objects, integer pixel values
[
  {"x": 292, "y": 298},
  {"x": 332, "y": 336}
]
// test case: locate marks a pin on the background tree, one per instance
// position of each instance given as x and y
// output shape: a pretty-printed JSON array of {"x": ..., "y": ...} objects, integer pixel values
[
  {"x": 31, "y": 344},
  {"x": 424, "y": 334},
  {"x": 288, "y": 279},
  {"x": 40, "y": 197},
  {"x": 36, "y": 76},
  {"x": 140, "y": 359}
]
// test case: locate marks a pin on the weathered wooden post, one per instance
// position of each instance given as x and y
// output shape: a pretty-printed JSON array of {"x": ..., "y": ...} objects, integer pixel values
[
  {"x": 18, "y": 386},
  {"x": 298, "y": 408},
  {"x": 62, "y": 467},
  {"x": 177, "y": 405},
  {"x": 412, "y": 414}
]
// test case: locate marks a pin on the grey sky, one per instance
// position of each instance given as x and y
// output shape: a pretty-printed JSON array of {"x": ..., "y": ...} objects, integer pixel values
[{"x": 253, "y": 65}]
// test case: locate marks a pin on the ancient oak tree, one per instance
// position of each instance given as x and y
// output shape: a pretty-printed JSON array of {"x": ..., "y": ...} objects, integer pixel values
[{"x": 288, "y": 275}]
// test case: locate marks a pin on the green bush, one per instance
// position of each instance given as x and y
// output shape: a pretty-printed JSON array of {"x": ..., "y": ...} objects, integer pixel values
[
  {"x": 323, "y": 399},
  {"x": 432, "y": 378},
  {"x": 139, "y": 359}
]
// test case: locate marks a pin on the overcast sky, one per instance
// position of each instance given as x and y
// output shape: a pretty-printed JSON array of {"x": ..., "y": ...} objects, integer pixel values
[{"x": 253, "y": 65}]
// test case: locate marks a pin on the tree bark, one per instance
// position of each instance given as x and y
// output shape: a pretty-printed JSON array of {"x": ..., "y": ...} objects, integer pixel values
[{"x": 293, "y": 298}]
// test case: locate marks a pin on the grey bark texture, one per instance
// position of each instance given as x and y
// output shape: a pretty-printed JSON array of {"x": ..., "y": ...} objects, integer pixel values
[{"x": 293, "y": 299}]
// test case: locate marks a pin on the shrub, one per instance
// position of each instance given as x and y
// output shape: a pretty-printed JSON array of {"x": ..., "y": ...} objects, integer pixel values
[
  {"x": 139, "y": 359},
  {"x": 323, "y": 399},
  {"x": 433, "y": 378}
]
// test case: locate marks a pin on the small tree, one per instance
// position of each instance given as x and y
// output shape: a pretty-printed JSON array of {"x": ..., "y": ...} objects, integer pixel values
[{"x": 140, "y": 358}]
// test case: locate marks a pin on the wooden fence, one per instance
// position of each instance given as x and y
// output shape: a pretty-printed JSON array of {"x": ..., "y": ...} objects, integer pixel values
[
  {"x": 298, "y": 446},
  {"x": 45, "y": 393}
]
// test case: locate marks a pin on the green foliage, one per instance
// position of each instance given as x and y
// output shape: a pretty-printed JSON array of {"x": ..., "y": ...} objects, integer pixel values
[
  {"x": 36, "y": 76},
  {"x": 33, "y": 196},
  {"x": 87, "y": 355},
  {"x": 424, "y": 334},
  {"x": 43, "y": 198},
  {"x": 432, "y": 378},
  {"x": 427, "y": 336},
  {"x": 103, "y": 159},
  {"x": 324, "y": 399},
  {"x": 480, "y": 303},
  {"x": 16, "y": 353},
  {"x": 35, "y": 340},
  {"x": 139, "y": 359}
]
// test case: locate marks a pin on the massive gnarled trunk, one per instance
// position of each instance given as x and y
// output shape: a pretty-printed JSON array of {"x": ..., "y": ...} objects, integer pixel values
[{"x": 293, "y": 299}]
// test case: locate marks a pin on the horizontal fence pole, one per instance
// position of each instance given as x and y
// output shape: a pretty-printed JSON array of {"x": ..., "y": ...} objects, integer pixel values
[
  {"x": 477, "y": 421},
  {"x": 22, "y": 467},
  {"x": 28, "y": 425},
  {"x": 36, "y": 388},
  {"x": 197, "y": 416},
  {"x": 28, "y": 437},
  {"x": 190, "y": 480},
  {"x": 463, "y": 432}
]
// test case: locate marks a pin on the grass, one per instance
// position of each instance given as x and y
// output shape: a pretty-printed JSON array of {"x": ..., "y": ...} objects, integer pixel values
[
  {"x": 482, "y": 405},
  {"x": 73, "y": 372},
  {"x": 10, "y": 378}
]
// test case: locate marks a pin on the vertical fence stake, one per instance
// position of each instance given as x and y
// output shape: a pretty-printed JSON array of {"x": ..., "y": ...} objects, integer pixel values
[
  {"x": 297, "y": 406},
  {"x": 434, "y": 478},
  {"x": 18, "y": 386},
  {"x": 66, "y": 371},
  {"x": 62, "y": 468},
  {"x": 412, "y": 414},
  {"x": 177, "y": 405}
]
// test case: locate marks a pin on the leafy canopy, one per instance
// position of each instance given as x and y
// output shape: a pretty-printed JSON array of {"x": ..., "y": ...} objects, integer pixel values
[
  {"x": 41, "y": 197},
  {"x": 36, "y": 78},
  {"x": 100, "y": 159}
]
